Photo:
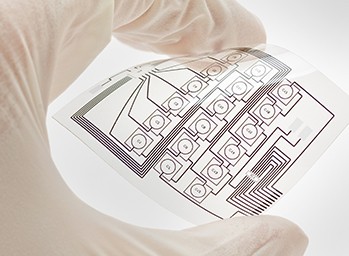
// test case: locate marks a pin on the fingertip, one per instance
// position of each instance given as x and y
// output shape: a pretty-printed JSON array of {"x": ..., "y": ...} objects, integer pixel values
[
  {"x": 251, "y": 29},
  {"x": 287, "y": 234}
]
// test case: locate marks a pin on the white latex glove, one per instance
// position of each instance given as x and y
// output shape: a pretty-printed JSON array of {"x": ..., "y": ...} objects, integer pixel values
[{"x": 44, "y": 46}]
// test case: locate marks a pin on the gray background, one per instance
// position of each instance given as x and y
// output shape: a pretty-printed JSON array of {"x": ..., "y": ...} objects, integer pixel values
[{"x": 315, "y": 30}]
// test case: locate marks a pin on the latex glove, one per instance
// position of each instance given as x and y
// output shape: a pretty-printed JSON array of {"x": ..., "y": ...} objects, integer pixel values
[{"x": 44, "y": 46}]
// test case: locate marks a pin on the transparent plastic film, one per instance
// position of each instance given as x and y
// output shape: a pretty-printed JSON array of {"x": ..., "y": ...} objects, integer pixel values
[{"x": 213, "y": 136}]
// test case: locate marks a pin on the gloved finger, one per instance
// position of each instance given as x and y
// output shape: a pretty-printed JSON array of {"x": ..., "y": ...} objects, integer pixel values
[
  {"x": 85, "y": 29},
  {"x": 45, "y": 45},
  {"x": 254, "y": 235},
  {"x": 182, "y": 27}
]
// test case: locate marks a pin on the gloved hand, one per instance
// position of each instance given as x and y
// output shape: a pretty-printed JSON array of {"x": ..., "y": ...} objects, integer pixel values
[{"x": 45, "y": 45}]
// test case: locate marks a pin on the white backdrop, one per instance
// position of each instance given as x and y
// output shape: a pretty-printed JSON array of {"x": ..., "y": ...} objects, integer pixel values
[{"x": 318, "y": 32}]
